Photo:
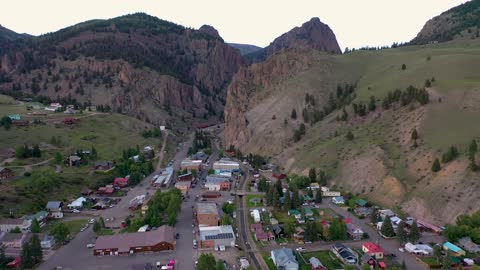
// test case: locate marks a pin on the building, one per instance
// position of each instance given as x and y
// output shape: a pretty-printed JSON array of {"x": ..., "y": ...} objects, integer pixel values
[
  {"x": 346, "y": 255},
  {"x": 183, "y": 186},
  {"x": 188, "y": 177},
  {"x": 103, "y": 165},
  {"x": 5, "y": 173},
  {"x": 40, "y": 216},
  {"x": 148, "y": 152},
  {"x": 217, "y": 237},
  {"x": 190, "y": 164},
  {"x": 211, "y": 194},
  {"x": 255, "y": 215},
  {"x": 55, "y": 209},
  {"x": 225, "y": 164},
  {"x": 207, "y": 214},
  {"x": 455, "y": 250},
  {"x": 354, "y": 231},
  {"x": 278, "y": 230},
  {"x": 423, "y": 250},
  {"x": 361, "y": 203},
  {"x": 160, "y": 239},
  {"x": 47, "y": 242},
  {"x": 316, "y": 264},
  {"x": 164, "y": 179},
  {"x": 15, "y": 117},
  {"x": 261, "y": 235},
  {"x": 107, "y": 190},
  {"x": 283, "y": 258},
  {"x": 373, "y": 250},
  {"x": 14, "y": 240},
  {"x": 215, "y": 183},
  {"x": 469, "y": 245},
  {"x": 74, "y": 161},
  {"x": 386, "y": 212},
  {"x": 120, "y": 182},
  {"x": 8, "y": 224},
  {"x": 77, "y": 204},
  {"x": 200, "y": 156},
  {"x": 338, "y": 200}
]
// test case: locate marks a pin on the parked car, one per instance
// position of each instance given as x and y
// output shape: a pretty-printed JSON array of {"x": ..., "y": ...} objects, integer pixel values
[
  {"x": 177, "y": 236},
  {"x": 195, "y": 244},
  {"x": 90, "y": 245},
  {"x": 92, "y": 221},
  {"x": 300, "y": 249}
]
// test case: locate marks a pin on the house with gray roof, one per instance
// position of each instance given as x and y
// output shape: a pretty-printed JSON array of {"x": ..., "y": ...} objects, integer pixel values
[{"x": 284, "y": 259}]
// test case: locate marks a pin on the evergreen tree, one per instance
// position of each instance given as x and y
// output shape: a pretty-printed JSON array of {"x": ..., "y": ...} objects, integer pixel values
[
  {"x": 263, "y": 185},
  {"x": 473, "y": 148},
  {"x": 276, "y": 199},
  {"x": 387, "y": 228},
  {"x": 318, "y": 196},
  {"x": 404, "y": 66},
  {"x": 296, "y": 199},
  {"x": 58, "y": 158},
  {"x": 289, "y": 228},
  {"x": 220, "y": 265},
  {"x": 278, "y": 186},
  {"x": 437, "y": 253},
  {"x": 436, "y": 165},
  {"x": 93, "y": 153},
  {"x": 3, "y": 257},
  {"x": 35, "y": 227},
  {"x": 206, "y": 261},
  {"x": 60, "y": 232},
  {"x": 310, "y": 193},
  {"x": 312, "y": 174},
  {"x": 402, "y": 233},
  {"x": 473, "y": 164},
  {"x": 414, "y": 134},
  {"x": 293, "y": 115},
  {"x": 350, "y": 136},
  {"x": 36, "y": 151},
  {"x": 287, "y": 205},
  {"x": 36, "y": 249},
  {"x": 375, "y": 216},
  {"x": 372, "y": 106},
  {"x": 337, "y": 230},
  {"x": 26, "y": 255},
  {"x": 311, "y": 233},
  {"x": 447, "y": 261},
  {"x": 414, "y": 234},
  {"x": 270, "y": 194}
]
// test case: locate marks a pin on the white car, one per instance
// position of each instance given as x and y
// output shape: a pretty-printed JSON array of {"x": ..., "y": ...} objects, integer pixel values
[
  {"x": 83, "y": 229},
  {"x": 90, "y": 245},
  {"x": 92, "y": 221},
  {"x": 75, "y": 211},
  {"x": 300, "y": 249},
  {"x": 401, "y": 250}
]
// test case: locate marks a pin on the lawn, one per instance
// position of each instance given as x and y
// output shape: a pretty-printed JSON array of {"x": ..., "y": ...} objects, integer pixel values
[
  {"x": 252, "y": 196},
  {"x": 73, "y": 225},
  {"x": 105, "y": 231},
  {"x": 283, "y": 217},
  {"x": 326, "y": 257},
  {"x": 324, "y": 213},
  {"x": 269, "y": 262}
]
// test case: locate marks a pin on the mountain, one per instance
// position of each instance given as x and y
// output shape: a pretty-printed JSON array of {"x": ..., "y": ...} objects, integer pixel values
[
  {"x": 367, "y": 149},
  {"x": 460, "y": 22},
  {"x": 137, "y": 64},
  {"x": 8, "y": 35},
  {"x": 245, "y": 48},
  {"x": 312, "y": 34}
]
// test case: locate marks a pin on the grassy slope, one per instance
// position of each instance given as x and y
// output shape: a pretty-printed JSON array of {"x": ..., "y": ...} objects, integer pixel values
[
  {"x": 379, "y": 161},
  {"x": 109, "y": 133}
]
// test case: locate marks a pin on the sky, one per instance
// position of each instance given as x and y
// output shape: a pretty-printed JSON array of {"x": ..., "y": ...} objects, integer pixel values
[{"x": 356, "y": 23}]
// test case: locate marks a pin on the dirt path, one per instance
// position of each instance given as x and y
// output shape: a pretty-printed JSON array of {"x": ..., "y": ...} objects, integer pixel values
[
  {"x": 162, "y": 151},
  {"x": 31, "y": 165}
]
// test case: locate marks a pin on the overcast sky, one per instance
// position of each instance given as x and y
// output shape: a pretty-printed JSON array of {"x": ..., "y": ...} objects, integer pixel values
[{"x": 356, "y": 23}]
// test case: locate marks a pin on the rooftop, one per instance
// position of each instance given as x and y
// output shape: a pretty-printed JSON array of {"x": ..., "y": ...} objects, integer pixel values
[
  {"x": 207, "y": 208},
  {"x": 126, "y": 241},
  {"x": 216, "y": 232}
]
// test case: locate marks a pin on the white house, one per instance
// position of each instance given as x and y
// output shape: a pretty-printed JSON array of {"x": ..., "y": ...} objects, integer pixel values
[
  {"x": 338, "y": 200},
  {"x": 284, "y": 258},
  {"x": 256, "y": 215},
  {"x": 424, "y": 250},
  {"x": 77, "y": 204}
]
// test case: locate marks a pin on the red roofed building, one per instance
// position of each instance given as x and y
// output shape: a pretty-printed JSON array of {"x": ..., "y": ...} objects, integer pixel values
[
  {"x": 280, "y": 176},
  {"x": 105, "y": 190},
  {"x": 373, "y": 250},
  {"x": 120, "y": 182},
  {"x": 347, "y": 220}
]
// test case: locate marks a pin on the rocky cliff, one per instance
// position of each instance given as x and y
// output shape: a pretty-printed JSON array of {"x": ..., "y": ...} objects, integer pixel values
[
  {"x": 312, "y": 34},
  {"x": 460, "y": 22},
  {"x": 135, "y": 63}
]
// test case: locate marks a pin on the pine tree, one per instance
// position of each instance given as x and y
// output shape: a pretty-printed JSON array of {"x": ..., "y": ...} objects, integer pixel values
[
  {"x": 270, "y": 194},
  {"x": 374, "y": 216},
  {"x": 287, "y": 204},
  {"x": 436, "y": 165},
  {"x": 414, "y": 134},
  {"x": 349, "y": 136},
  {"x": 372, "y": 106},
  {"x": 296, "y": 199},
  {"x": 318, "y": 196},
  {"x": 293, "y": 115},
  {"x": 26, "y": 255},
  {"x": 276, "y": 199},
  {"x": 36, "y": 249},
  {"x": 473, "y": 148},
  {"x": 401, "y": 233},
  {"x": 447, "y": 261},
  {"x": 3, "y": 257},
  {"x": 387, "y": 228},
  {"x": 312, "y": 174},
  {"x": 93, "y": 153},
  {"x": 437, "y": 253},
  {"x": 473, "y": 164},
  {"x": 263, "y": 185},
  {"x": 404, "y": 66},
  {"x": 35, "y": 227},
  {"x": 414, "y": 234}
]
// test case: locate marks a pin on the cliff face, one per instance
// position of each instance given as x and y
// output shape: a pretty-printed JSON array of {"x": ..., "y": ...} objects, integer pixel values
[
  {"x": 125, "y": 62},
  {"x": 460, "y": 22},
  {"x": 312, "y": 34}
]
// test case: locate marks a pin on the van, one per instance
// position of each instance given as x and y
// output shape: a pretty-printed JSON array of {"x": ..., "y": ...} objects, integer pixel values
[
  {"x": 90, "y": 245},
  {"x": 194, "y": 244}
]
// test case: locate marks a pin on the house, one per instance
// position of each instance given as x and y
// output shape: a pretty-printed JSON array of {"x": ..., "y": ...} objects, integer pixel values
[
  {"x": 5, "y": 173},
  {"x": 363, "y": 211},
  {"x": 261, "y": 235},
  {"x": 256, "y": 215},
  {"x": 225, "y": 164},
  {"x": 188, "y": 177},
  {"x": 354, "y": 231},
  {"x": 190, "y": 165},
  {"x": 40, "y": 216},
  {"x": 77, "y": 204},
  {"x": 200, "y": 156},
  {"x": 361, "y": 203},
  {"x": 368, "y": 259},
  {"x": 346, "y": 255},
  {"x": 74, "y": 161},
  {"x": 211, "y": 194},
  {"x": 386, "y": 212},
  {"x": 164, "y": 179},
  {"x": 284, "y": 258},
  {"x": 338, "y": 200},
  {"x": 103, "y": 165},
  {"x": 308, "y": 212},
  {"x": 326, "y": 192},
  {"x": 55, "y": 209},
  {"x": 455, "y": 250},
  {"x": 207, "y": 214},
  {"x": 299, "y": 234},
  {"x": 278, "y": 230},
  {"x": 314, "y": 186},
  {"x": 316, "y": 264},
  {"x": 244, "y": 264},
  {"x": 47, "y": 242},
  {"x": 15, "y": 117},
  {"x": 217, "y": 237},
  {"x": 373, "y": 250},
  {"x": 217, "y": 183},
  {"x": 255, "y": 227},
  {"x": 120, "y": 182},
  {"x": 160, "y": 239},
  {"x": 14, "y": 240},
  {"x": 55, "y": 105},
  {"x": 295, "y": 213},
  {"x": 420, "y": 249},
  {"x": 469, "y": 245},
  {"x": 279, "y": 176},
  {"x": 184, "y": 187},
  {"x": 8, "y": 224}
]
